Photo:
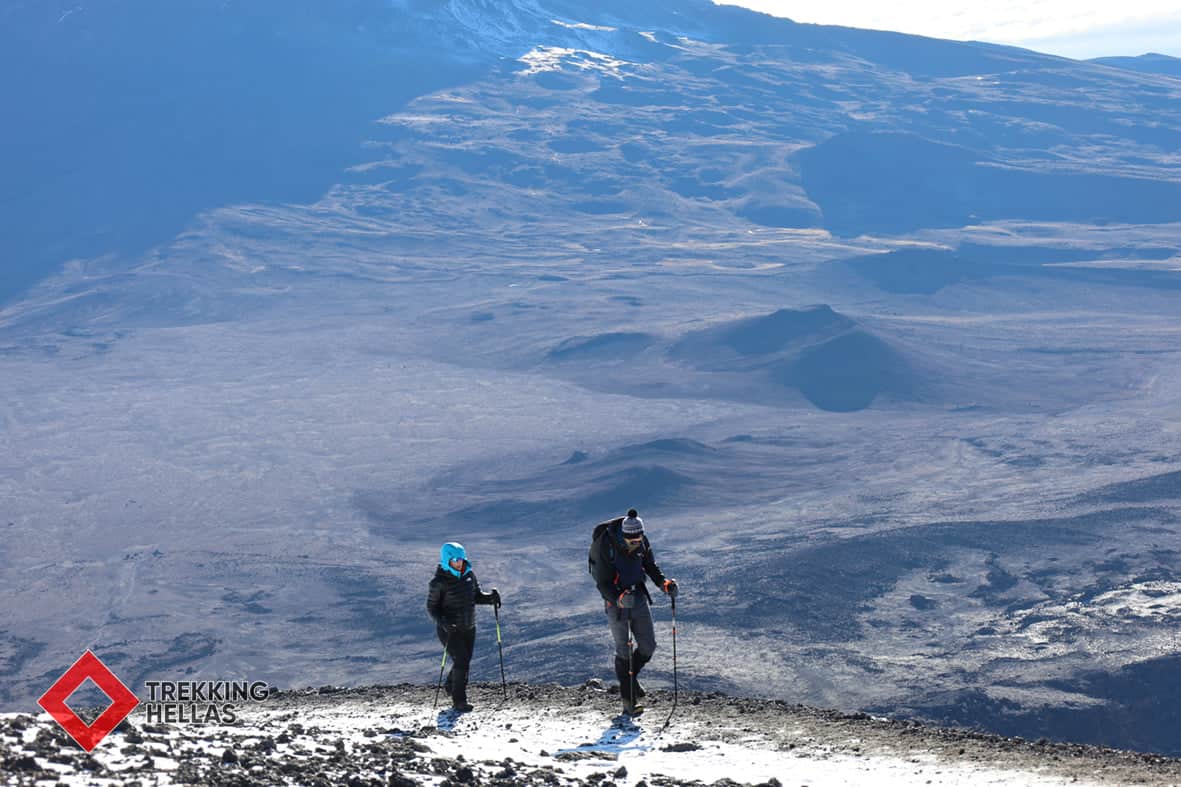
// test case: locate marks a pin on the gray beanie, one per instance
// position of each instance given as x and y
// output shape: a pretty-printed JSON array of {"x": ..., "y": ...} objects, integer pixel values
[{"x": 632, "y": 525}]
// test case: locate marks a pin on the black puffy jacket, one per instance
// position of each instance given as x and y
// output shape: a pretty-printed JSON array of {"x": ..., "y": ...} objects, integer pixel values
[{"x": 451, "y": 600}]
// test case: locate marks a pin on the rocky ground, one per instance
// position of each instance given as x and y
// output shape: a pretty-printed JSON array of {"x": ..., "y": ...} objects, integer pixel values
[{"x": 551, "y": 735}]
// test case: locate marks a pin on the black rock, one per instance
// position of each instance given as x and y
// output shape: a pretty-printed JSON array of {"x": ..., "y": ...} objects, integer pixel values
[
  {"x": 21, "y": 764},
  {"x": 679, "y": 747}
]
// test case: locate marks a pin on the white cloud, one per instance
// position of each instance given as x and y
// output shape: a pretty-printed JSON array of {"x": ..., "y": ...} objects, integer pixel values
[{"x": 1075, "y": 28}]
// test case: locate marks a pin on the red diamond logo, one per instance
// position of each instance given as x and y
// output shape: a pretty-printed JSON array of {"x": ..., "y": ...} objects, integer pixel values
[{"x": 123, "y": 701}]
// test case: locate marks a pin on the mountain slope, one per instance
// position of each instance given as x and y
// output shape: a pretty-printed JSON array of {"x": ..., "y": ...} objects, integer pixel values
[
  {"x": 775, "y": 123},
  {"x": 433, "y": 259}
]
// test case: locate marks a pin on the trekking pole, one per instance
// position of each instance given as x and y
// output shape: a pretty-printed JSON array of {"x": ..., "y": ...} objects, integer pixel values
[
  {"x": 442, "y": 665},
  {"x": 631, "y": 670},
  {"x": 500, "y": 649},
  {"x": 673, "y": 598}
]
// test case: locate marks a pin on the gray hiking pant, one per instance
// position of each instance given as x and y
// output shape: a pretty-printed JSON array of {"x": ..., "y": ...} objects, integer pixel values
[{"x": 642, "y": 629}]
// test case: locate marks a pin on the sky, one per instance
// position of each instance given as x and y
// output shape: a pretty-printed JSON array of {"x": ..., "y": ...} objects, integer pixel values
[{"x": 1072, "y": 28}]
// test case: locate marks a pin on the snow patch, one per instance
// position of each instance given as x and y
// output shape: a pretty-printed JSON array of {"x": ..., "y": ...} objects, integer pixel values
[
  {"x": 583, "y": 26},
  {"x": 566, "y": 736},
  {"x": 553, "y": 58},
  {"x": 494, "y": 21}
]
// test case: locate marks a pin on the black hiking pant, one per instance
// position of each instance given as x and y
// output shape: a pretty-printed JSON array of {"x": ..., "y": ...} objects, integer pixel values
[{"x": 460, "y": 645}]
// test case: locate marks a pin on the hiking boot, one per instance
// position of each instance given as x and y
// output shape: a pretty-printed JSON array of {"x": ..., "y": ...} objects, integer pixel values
[
  {"x": 462, "y": 706},
  {"x": 631, "y": 708}
]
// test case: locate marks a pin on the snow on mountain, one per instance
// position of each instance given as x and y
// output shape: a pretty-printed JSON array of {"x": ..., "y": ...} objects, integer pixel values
[
  {"x": 508, "y": 30},
  {"x": 551, "y": 735},
  {"x": 552, "y": 58},
  {"x": 499, "y": 27}
]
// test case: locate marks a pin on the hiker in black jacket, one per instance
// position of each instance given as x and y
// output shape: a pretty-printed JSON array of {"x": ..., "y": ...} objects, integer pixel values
[
  {"x": 624, "y": 548},
  {"x": 451, "y": 601}
]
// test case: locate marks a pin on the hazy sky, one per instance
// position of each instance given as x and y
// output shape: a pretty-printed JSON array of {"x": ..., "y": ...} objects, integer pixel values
[{"x": 1074, "y": 28}]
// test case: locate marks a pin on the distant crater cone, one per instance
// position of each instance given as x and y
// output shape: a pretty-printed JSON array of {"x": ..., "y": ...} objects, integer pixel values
[
  {"x": 601, "y": 347},
  {"x": 836, "y": 364},
  {"x": 642, "y": 486},
  {"x": 849, "y": 372},
  {"x": 669, "y": 445},
  {"x": 763, "y": 335}
]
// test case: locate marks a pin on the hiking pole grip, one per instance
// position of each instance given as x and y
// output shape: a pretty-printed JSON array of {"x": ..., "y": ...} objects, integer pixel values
[{"x": 500, "y": 649}]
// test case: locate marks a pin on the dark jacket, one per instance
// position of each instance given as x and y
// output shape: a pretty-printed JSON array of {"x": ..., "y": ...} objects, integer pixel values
[
  {"x": 451, "y": 600},
  {"x": 630, "y": 566}
]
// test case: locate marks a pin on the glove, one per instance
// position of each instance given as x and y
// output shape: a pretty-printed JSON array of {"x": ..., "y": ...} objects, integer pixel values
[
  {"x": 627, "y": 600},
  {"x": 495, "y": 597},
  {"x": 670, "y": 587}
]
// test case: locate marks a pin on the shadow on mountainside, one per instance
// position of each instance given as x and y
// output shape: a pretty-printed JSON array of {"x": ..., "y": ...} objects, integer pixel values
[
  {"x": 885, "y": 182},
  {"x": 139, "y": 115},
  {"x": 836, "y": 364},
  {"x": 1137, "y": 708}
]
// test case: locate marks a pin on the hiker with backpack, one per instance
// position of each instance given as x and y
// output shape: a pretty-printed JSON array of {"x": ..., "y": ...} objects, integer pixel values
[
  {"x": 451, "y": 602},
  {"x": 621, "y": 562}
]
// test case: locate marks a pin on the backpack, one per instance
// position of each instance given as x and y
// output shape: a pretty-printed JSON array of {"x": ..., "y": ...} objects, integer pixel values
[{"x": 603, "y": 570}]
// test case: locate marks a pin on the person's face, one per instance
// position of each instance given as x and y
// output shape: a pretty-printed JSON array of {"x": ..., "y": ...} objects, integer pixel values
[
  {"x": 456, "y": 563},
  {"x": 633, "y": 544}
]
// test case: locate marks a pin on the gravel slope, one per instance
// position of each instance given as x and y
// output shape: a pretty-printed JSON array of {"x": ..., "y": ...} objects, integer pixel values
[{"x": 552, "y": 735}]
